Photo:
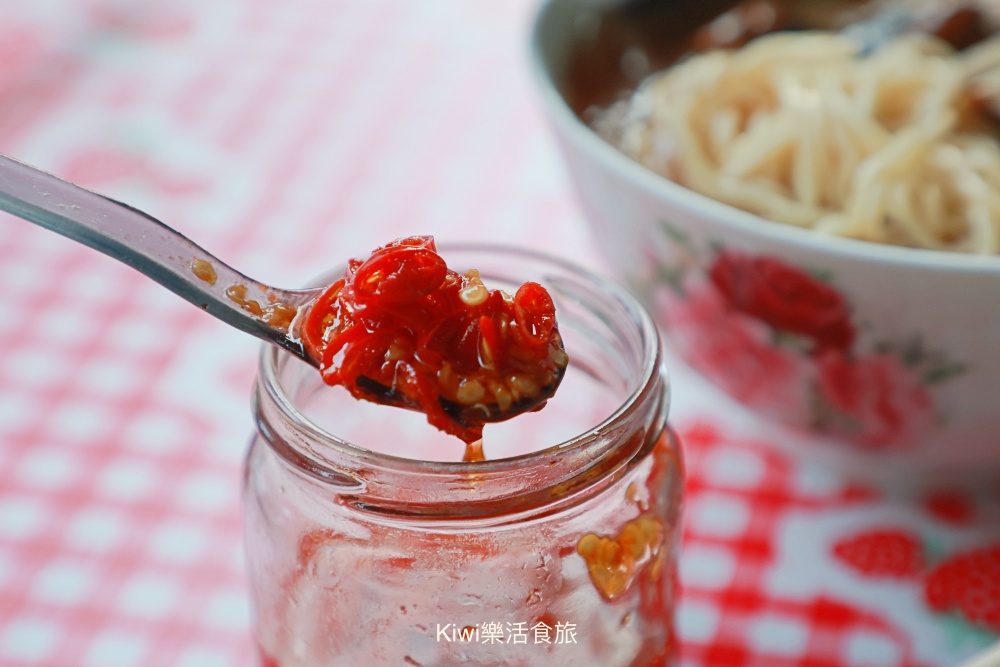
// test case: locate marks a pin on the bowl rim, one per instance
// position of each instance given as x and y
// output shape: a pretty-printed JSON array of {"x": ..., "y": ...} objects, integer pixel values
[{"x": 575, "y": 130}]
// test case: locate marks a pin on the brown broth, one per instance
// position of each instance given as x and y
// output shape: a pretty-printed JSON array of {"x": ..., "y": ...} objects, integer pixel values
[{"x": 611, "y": 56}]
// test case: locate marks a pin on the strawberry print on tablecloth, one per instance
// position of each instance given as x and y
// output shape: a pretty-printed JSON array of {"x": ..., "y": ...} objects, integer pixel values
[
  {"x": 966, "y": 583},
  {"x": 882, "y": 553},
  {"x": 970, "y": 583},
  {"x": 787, "y": 565}
]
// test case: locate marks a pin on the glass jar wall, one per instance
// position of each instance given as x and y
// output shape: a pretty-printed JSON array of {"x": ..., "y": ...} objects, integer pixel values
[{"x": 370, "y": 543}]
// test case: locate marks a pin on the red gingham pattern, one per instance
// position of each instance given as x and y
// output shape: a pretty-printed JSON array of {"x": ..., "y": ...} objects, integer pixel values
[
  {"x": 286, "y": 137},
  {"x": 803, "y": 631}
]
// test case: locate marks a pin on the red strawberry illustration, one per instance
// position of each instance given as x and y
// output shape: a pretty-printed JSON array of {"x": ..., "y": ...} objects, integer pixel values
[
  {"x": 882, "y": 553},
  {"x": 970, "y": 583},
  {"x": 950, "y": 506}
]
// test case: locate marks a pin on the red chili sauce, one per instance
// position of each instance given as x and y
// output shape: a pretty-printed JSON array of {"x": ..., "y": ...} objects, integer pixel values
[{"x": 401, "y": 328}]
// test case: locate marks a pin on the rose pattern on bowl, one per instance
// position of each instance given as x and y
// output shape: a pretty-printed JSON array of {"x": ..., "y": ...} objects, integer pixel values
[{"x": 783, "y": 341}]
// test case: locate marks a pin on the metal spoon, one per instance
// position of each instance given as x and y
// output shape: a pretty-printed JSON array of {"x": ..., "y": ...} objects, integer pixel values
[
  {"x": 150, "y": 247},
  {"x": 185, "y": 268}
]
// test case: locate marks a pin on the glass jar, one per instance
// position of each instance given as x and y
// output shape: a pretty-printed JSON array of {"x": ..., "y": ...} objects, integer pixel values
[{"x": 562, "y": 552}]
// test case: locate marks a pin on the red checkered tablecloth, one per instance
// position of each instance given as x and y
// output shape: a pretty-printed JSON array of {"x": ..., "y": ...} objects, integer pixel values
[{"x": 287, "y": 136}]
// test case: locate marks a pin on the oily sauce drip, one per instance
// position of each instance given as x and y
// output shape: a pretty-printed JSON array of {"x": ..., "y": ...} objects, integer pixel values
[
  {"x": 238, "y": 295},
  {"x": 203, "y": 270},
  {"x": 278, "y": 315},
  {"x": 474, "y": 452}
]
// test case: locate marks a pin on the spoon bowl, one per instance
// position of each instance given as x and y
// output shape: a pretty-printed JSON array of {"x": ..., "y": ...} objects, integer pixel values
[{"x": 185, "y": 268}]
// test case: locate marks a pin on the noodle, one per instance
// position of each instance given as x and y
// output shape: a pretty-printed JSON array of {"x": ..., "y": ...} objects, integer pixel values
[{"x": 797, "y": 128}]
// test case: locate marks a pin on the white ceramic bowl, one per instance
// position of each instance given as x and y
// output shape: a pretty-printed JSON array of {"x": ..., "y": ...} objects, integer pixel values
[{"x": 888, "y": 356}]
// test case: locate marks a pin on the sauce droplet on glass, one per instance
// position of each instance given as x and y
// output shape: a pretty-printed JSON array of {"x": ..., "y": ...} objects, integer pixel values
[
  {"x": 279, "y": 315},
  {"x": 238, "y": 295},
  {"x": 204, "y": 270}
]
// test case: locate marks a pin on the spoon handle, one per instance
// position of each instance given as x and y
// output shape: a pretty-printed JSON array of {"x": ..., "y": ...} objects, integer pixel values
[{"x": 144, "y": 243}]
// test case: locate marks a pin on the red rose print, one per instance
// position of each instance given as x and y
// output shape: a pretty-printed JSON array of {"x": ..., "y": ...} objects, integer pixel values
[
  {"x": 736, "y": 352},
  {"x": 882, "y": 553},
  {"x": 876, "y": 400},
  {"x": 782, "y": 342},
  {"x": 784, "y": 297},
  {"x": 970, "y": 583}
]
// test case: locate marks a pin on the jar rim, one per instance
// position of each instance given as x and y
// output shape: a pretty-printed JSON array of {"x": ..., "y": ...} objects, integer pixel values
[{"x": 643, "y": 388}]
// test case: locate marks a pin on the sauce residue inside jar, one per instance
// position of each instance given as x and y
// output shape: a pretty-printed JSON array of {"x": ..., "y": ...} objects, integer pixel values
[{"x": 614, "y": 562}]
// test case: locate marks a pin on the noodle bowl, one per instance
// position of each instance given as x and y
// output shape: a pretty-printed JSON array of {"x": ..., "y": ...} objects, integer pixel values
[
  {"x": 797, "y": 128},
  {"x": 882, "y": 357}
]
